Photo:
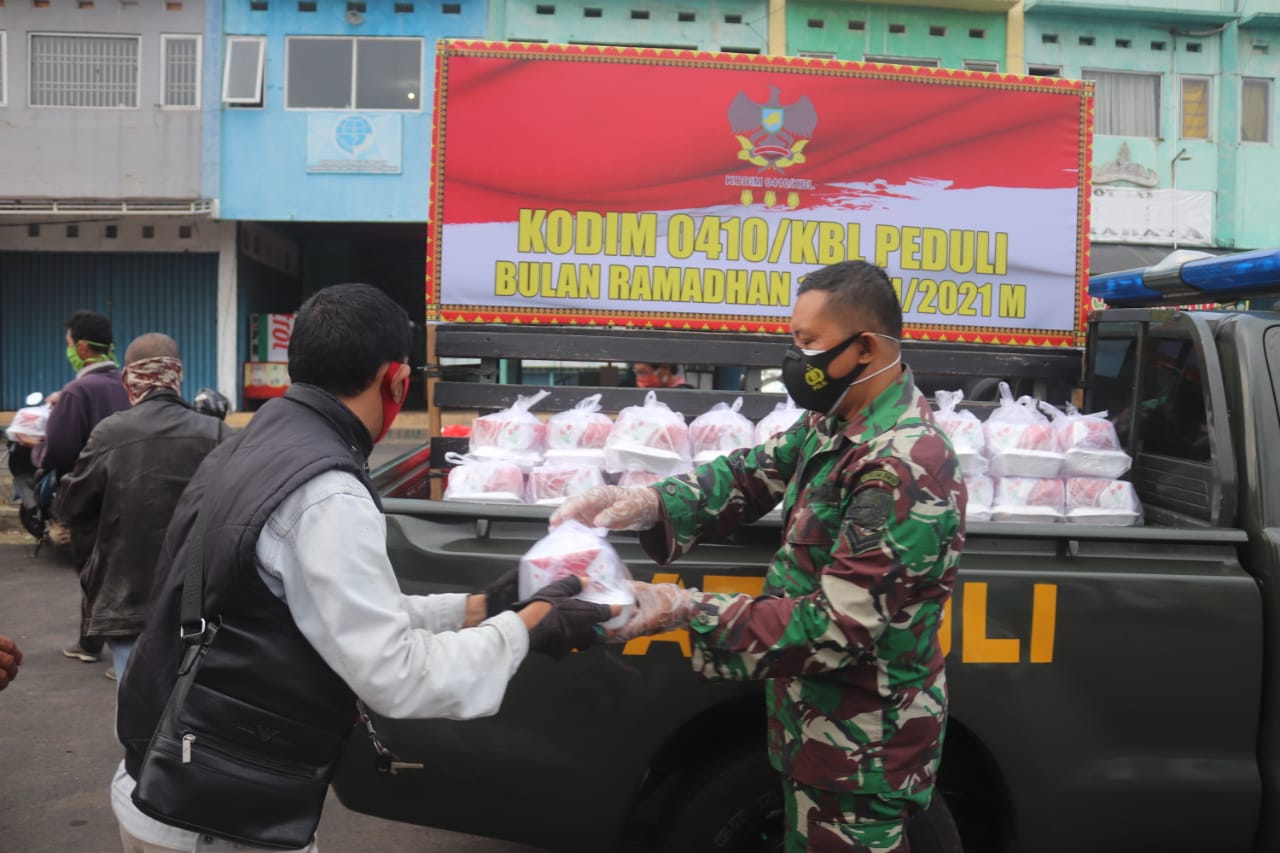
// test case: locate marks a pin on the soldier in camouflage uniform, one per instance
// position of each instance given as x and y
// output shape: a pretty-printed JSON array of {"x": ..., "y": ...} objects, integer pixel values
[{"x": 845, "y": 634}]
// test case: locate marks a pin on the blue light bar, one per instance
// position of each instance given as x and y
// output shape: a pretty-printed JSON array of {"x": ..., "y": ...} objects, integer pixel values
[
  {"x": 1186, "y": 278},
  {"x": 1121, "y": 287},
  {"x": 1245, "y": 273}
]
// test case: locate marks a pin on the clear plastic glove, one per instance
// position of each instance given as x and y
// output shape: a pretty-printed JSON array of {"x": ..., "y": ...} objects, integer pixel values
[
  {"x": 659, "y": 607},
  {"x": 613, "y": 507}
]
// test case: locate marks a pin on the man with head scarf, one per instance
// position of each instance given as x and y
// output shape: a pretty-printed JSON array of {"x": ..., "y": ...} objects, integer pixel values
[{"x": 129, "y": 476}]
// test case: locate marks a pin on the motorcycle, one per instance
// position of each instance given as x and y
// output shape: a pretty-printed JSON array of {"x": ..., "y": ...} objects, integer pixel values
[{"x": 34, "y": 490}]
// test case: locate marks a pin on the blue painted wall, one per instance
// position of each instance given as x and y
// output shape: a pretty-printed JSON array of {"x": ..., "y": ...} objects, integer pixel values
[{"x": 263, "y": 165}]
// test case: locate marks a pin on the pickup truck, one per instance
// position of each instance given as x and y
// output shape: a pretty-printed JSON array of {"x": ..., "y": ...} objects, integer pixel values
[{"x": 1112, "y": 689}]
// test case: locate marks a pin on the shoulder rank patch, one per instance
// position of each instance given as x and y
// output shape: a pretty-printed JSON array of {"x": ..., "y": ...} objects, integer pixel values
[{"x": 889, "y": 478}]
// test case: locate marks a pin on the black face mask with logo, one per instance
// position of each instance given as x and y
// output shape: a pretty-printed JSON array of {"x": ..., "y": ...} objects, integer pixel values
[{"x": 804, "y": 373}]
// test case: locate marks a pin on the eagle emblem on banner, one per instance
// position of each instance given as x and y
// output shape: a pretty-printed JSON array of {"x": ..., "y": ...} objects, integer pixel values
[{"x": 773, "y": 135}]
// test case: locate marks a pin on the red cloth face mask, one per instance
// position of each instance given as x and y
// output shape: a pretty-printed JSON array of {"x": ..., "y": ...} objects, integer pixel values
[{"x": 395, "y": 389}]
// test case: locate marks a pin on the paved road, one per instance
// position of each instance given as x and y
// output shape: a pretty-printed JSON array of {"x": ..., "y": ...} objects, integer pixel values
[{"x": 57, "y": 749}]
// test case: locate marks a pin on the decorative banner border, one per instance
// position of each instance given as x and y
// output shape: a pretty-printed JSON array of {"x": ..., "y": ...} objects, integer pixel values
[{"x": 501, "y": 192}]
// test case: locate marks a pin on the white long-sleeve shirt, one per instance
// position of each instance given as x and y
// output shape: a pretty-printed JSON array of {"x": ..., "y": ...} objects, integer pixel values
[{"x": 323, "y": 552}]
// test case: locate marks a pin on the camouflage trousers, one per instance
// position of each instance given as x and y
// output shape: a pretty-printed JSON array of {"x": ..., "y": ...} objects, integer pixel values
[{"x": 829, "y": 822}]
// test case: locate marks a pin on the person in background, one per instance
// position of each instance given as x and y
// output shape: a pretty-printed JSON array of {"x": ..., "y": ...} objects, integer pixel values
[
  {"x": 664, "y": 375},
  {"x": 845, "y": 635},
  {"x": 94, "y": 394},
  {"x": 295, "y": 556},
  {"x": 129, "y": 477},
  {"x": 10, "y": 661}
]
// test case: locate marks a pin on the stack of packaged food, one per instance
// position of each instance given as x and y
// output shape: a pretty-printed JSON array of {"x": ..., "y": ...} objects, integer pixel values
[{"x": 1031, "y": 462}]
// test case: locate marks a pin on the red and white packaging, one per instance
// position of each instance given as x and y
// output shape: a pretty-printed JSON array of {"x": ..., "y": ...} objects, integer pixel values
[
  {"x": 29, "y": 422},
  {"x": 1020, "y": 440},
  {"x": 1090, "y": 444},
  {"x": 552, "y": 483},
  {"x": 512, "y": 435},
  {"x": 720, "y": 430},
  {"x": 1029, "y": 499},
  {"x": 484, "y": 480},
  {"x": 982, "y": 494},
  {"x": 781, "y": 419},
  {"x": 1091, "y": 500},
  {"x": 965, "y": 431},
  {"x": 650, "y": 437},
  {"x": 572, "y": 548},
  {"x": 577, "y": 435}
]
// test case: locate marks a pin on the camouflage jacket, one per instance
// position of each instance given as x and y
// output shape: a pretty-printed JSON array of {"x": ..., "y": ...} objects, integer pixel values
[{"x": 846, "y": 632}]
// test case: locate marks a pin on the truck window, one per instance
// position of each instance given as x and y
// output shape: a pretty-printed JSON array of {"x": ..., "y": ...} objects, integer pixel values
[
  {"x": 1113, "y": 382},
  {"x": 1171, "y": 400}
]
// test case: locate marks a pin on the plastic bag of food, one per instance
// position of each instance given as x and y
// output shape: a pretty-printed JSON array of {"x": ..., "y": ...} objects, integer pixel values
[
  {"x": 651, "y": 437},
  {"x": 572, "y": 548},
  {"x": 1092, "y": 500},
  {"x": 514, "y": 434},
  {"x": 720, "y": 430},
  {"x": 781, "y": 419},
  {"x": 982, "y": 494},
  {"x": 487, "y": 480},
  {"x": 1020, "y": 440},
  {"x": 550, "y": 484},
  {"x": 1028, "y": 499},
  {"x": 965, "y": 431},
  {"x": 29, "y": 422},
  {"x": 578, "y": 435},
  {"x": 1090, "y": 444}
]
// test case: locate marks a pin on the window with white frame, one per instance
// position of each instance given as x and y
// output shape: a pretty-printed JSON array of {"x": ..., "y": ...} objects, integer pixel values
[
  {"x": 85, "y": 71},
  {"x": 180, "y": 70},
  {"x": 916, "y": 61},
  {"x": 981, "y": 65},
  {"x": 1255, "y": 110},
  {"x": 1195, "y": 107},
  {"x": 1125, "y": 103},
  {"x": 242, "y": 71},
  {"x": 353, "y": 73}
]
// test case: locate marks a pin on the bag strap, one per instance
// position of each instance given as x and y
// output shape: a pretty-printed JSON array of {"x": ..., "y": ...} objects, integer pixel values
[{"x": 191, "y": 623}]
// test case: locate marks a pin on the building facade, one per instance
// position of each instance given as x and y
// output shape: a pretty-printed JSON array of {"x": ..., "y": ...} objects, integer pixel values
[
  {"x": 101, "y": 204},
  {"x": 187, "y": 164}
]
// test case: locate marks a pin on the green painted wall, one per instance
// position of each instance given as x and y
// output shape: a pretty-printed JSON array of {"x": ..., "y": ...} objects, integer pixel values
[
  {"x": 1242, "y": 175},
  {"x": 832, "y": 27},
  {"x": 699, "y": 25}
]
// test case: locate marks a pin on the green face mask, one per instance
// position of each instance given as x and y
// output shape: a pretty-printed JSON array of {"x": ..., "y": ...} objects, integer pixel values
[{"x": 78, "y": 363}]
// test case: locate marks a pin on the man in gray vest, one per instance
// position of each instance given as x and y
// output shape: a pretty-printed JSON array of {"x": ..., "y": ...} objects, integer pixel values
[{"x": 294, "y": 557}]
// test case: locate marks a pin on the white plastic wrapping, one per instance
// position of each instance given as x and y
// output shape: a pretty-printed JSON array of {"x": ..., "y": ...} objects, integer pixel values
[
  {"x": 572, "y": 548},
  {"x": 552, "y": 483},
  {"x": 578, "y": 435},
  {"x": 781, "y": 419},
  {"x": 720, "y": 430},
  {"x": 1029, "y": 499},
  {"x": 512, "y": 435},
  {"x": 965, "y": 431},
  {"x": 636, "y": 478},
  {"x": 650, "y": 437},
  {"x": 1090, "y": 444},
  {"x": 29, "y": 422},
  {"x": 982, "y": 493},
  {"x": 1091, "y": 500},
  {"x": 484, "y": 480},
  {"x": 1020, "y": 440}
]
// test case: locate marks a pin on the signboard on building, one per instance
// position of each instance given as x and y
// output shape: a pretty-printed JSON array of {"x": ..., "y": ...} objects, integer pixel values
[
  {"x": 269, "y": 337},
  {"x": 674, "y": 189},
  {"x": 353, "y": 143}
]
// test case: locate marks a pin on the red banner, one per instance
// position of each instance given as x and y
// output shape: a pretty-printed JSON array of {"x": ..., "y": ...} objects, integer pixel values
[{"x": 676, "y": 189}]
